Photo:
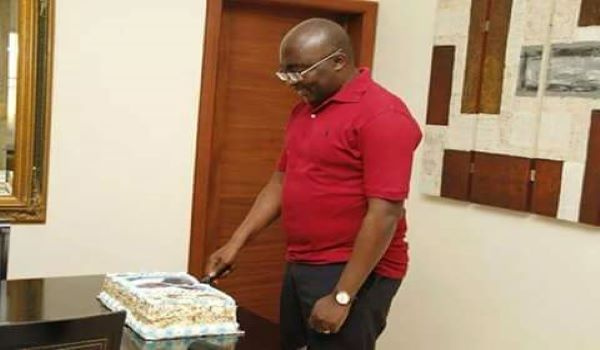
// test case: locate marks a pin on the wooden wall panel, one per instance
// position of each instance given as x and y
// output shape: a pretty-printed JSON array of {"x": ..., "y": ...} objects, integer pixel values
[
  {"x": 486, "y": 54},
  {"x": 495, "y": 56},
  {"x": 501, "y": 181},
  {"x": 475, "y": 56},
  {"x": 589, "y": 14},
  {"x": 440, "y": 85},
  {"x": 589, "y": 212},
  {"x": 545, "y": 192},
  {"x": 456, "y": 174}
]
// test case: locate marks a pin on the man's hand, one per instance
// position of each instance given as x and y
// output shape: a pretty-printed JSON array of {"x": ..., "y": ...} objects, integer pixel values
[
  {"x": 327, "y": 315},
  {"x": 222, "y": 259}
]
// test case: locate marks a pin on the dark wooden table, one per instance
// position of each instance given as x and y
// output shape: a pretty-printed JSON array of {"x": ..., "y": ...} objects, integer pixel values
[{"x": 68, "y": 297}]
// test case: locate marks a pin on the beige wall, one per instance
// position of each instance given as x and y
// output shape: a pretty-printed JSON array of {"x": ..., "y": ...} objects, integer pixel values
[
  {"x": 125, "y": 99},
  {"x": 481, "y": 278}
]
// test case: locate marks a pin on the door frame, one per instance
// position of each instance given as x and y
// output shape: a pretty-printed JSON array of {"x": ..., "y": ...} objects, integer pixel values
[{"x": 361, "y": 26}]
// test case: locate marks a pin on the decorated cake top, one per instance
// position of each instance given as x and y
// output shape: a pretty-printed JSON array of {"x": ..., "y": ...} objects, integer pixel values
[{"x": 176, "y": 288}]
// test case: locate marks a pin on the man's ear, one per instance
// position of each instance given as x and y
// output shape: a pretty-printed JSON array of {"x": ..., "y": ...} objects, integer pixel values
[{"x": 340, "y": 61}]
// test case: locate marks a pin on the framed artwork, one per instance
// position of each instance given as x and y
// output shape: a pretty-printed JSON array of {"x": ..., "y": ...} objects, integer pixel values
[{"x": 513, "y": 117}]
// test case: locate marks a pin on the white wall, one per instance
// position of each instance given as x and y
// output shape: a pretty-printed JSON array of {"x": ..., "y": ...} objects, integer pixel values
[
  {"x": 480, "y": 278},
  {"x": 125, "y": 101},
  {"x": 126, "y": 83}
]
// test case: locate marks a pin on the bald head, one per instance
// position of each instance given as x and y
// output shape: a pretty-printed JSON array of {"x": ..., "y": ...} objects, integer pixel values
[
  {"x": 318, "y": 34},
  {"x": 321, "y": 51}
]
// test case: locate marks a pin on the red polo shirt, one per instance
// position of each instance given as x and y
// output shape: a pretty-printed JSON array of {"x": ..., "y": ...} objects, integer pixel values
[{"x": 357, "y": 144}]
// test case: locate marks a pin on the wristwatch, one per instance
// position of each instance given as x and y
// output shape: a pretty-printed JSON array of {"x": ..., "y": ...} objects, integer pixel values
[{"x": 342, "y": 298}]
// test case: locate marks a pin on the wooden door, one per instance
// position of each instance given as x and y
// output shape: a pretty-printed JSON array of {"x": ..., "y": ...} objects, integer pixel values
[{"x": 243, "y": 111}]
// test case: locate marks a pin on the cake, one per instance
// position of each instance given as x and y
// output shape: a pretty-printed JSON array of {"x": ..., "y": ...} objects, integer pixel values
[{"x": 169, "y": 305}]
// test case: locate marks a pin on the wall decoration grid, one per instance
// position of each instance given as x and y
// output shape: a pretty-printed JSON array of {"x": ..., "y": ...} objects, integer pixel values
[{"x": 513, "y": 118}]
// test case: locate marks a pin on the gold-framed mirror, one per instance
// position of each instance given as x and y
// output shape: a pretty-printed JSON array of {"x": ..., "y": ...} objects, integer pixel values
[{"x": 26, "y": 42}]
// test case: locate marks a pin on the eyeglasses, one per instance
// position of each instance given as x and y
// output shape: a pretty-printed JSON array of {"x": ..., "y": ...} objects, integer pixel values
[{"x": 296, "y": 77}]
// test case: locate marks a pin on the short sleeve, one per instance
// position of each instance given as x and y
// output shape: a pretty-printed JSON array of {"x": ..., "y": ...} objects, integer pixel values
[{"x": 387, "y": 144}]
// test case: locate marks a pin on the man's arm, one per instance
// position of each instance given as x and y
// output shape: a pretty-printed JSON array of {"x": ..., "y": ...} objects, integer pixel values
[
  {"x": 376, "y": 233},
  {"x": 265, "y": 210}
]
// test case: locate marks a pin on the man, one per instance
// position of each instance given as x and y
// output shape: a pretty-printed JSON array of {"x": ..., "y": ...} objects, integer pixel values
[{"x": 340, "y": 187}]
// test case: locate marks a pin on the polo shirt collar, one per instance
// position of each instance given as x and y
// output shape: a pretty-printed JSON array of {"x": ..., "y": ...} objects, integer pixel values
[{"x": 352, "y": 91}]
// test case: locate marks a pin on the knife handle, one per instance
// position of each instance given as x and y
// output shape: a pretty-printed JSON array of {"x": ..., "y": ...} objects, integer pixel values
[{"x": 210, "y": 278}]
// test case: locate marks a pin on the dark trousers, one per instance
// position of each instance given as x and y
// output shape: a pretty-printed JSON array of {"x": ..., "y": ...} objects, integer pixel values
[{"x": 304, "y": 284}]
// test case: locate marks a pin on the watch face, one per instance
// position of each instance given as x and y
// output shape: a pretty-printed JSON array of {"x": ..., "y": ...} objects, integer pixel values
[{"x": 342, "y": 298}]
